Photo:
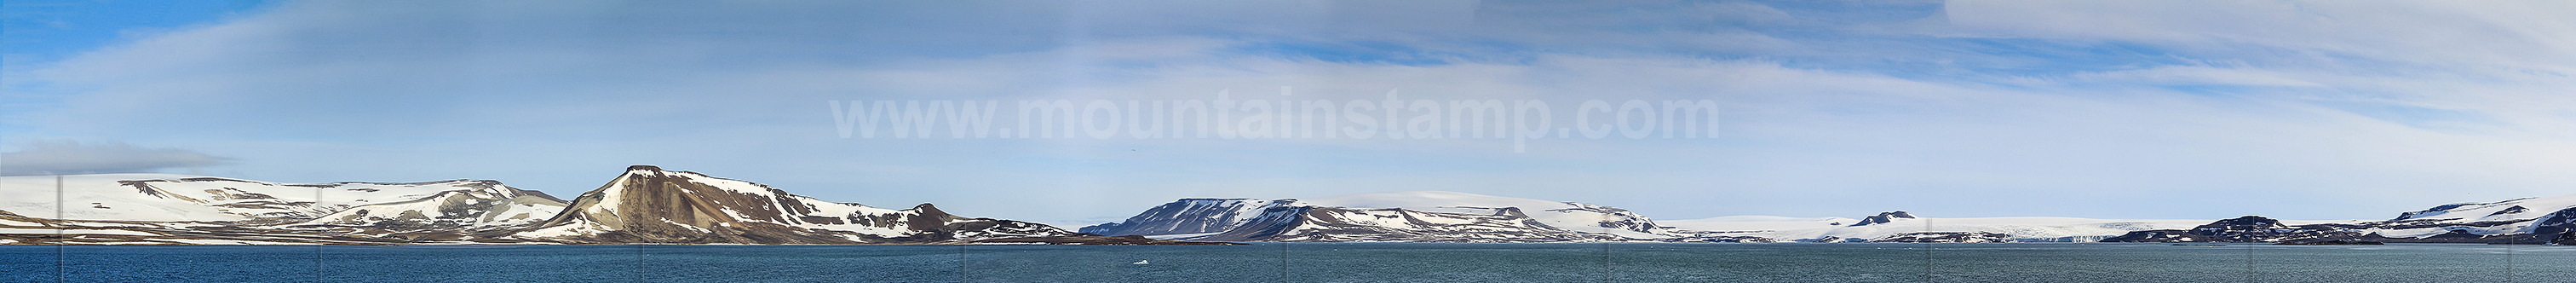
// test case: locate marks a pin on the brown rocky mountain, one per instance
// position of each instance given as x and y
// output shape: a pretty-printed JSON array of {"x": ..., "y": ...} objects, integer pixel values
[{"x": 651, "y": 205}]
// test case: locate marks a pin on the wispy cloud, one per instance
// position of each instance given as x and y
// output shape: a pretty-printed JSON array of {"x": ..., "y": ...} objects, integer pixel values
[{"x": 65, "y": 157}]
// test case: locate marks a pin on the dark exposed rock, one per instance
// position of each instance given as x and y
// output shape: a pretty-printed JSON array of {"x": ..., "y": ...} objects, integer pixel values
[
  {"x": 1883, "y": 218},
  {"x": 2510, "y": 210}
]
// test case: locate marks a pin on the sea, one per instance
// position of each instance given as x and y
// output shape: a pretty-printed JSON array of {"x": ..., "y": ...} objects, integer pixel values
[{"x": 1300, "y": 262}]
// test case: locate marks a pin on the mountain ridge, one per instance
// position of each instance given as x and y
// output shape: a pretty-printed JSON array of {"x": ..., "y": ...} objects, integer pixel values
[{"x": 646, "y": 204}]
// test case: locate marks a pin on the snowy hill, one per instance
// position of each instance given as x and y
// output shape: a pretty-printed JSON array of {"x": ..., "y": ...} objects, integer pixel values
[
  {"x": 167, "y": 209},
  {"x": 168, "y": 197}
]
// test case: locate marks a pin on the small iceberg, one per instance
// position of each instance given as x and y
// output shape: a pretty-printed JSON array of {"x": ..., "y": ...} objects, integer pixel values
[{"x": 1142, "y": 262}]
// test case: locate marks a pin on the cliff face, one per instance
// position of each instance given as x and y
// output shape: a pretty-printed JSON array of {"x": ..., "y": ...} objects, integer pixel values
[{"x": 651, "y": 205}]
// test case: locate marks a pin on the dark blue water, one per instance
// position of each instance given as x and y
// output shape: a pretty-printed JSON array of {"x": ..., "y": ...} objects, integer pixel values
[{"x": 1299, "y": 262}]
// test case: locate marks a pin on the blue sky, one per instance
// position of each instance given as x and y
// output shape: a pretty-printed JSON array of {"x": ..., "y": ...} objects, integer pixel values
[{"x": 2180, "y": 109}]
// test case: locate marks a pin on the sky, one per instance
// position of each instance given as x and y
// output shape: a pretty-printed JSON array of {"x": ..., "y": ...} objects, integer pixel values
[{"x": 1974, "y": 108}]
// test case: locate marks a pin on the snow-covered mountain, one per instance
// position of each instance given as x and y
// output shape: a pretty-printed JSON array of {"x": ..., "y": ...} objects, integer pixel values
[
  {"x": 165, "y": 208},
  {"x": 2522, "y": 221},
  {"x": 2551, "y": 218},
  {"x": 1418, "y": 216},
  {"x": 1188, "y": 216},
  {"x": 651, "y": 205}
]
